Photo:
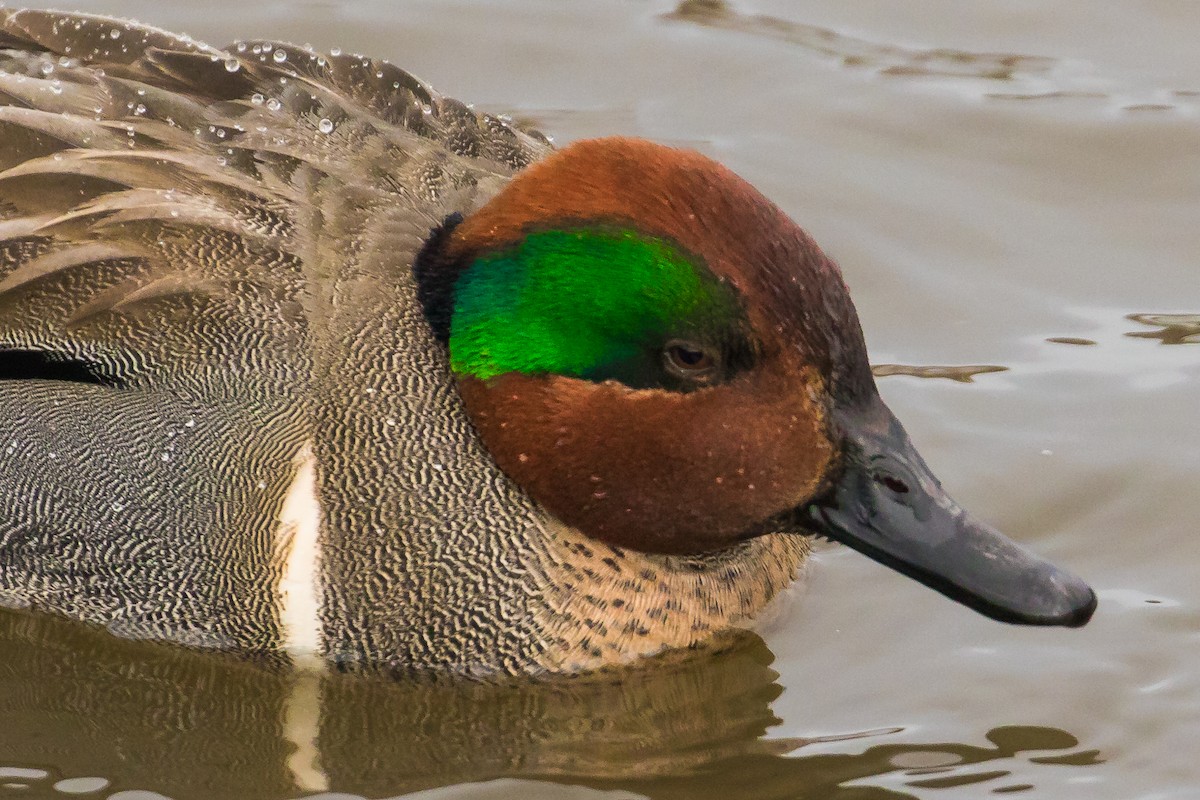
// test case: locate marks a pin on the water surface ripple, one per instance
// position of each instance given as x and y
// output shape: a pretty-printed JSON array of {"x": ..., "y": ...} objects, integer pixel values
[{"x": 999, "y": 181}]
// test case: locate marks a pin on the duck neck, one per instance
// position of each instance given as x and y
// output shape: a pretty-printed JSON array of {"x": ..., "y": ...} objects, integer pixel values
[
  {"x": 432, "y": 557},
  {"x": 601, "y": 605}
]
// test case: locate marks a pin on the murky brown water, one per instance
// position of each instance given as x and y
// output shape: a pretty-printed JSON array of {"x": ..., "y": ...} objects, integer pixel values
[{"x": 1009, "y": 185}]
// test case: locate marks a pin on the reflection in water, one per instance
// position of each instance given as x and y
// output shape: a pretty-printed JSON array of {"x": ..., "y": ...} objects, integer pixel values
[
  {"x": 1023, "y": 77},
  {"x": 1071, "y": 340},
  {"x": 1172, "y": 328},
  {"x": 78, "y": 704},
  {"x": 886, "y": 59},
  {"x": 845, "y": 776},
  {"x": 964, "y": 373},
  {"x": 1050, "y": 95}
]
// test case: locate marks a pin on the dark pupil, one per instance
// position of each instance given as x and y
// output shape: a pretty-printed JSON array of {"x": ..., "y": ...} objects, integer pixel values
[{"x": 688, "y": 358}]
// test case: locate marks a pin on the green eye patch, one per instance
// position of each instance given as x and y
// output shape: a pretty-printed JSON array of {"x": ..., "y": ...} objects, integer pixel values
[{"x": 575, "y": 302}]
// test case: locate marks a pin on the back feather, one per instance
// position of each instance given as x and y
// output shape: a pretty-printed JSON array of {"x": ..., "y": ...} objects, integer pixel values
[{"x": 150, "y": 182}]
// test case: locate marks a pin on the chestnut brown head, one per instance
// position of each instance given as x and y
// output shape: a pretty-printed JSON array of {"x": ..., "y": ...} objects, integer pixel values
[{"x": 665, "y": 361}]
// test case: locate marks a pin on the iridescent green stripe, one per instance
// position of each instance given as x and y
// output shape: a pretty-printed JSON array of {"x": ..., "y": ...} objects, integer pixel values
[{"x": 570, "y": 302}]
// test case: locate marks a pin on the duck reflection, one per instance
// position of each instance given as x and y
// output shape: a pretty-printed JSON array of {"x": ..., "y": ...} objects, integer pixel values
[{"x": 78, "y": 702}]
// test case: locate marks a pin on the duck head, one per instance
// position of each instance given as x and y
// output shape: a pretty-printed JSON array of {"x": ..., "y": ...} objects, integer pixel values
[{"x": 665, "y": 361}]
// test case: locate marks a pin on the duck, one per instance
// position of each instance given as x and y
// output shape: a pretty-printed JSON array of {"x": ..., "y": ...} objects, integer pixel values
[{"x": 300, "y": 357}]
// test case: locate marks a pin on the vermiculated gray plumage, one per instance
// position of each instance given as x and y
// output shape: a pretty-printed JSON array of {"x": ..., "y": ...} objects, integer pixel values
[{"x": 218, "y": 245}]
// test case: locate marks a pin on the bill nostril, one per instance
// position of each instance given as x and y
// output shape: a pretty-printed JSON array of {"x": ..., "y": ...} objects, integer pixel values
[{"x": 895, "y": 484}]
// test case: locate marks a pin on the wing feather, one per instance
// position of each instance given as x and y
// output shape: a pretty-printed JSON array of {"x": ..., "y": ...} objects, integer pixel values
[{"x": 149, "y": 180}]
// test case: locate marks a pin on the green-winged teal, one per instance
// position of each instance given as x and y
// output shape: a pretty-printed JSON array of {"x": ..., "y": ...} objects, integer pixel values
[{"x": 298, "y": 355}]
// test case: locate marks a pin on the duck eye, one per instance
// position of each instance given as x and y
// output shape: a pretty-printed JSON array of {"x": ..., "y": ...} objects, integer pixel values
[{"x": 690, "y": 361}]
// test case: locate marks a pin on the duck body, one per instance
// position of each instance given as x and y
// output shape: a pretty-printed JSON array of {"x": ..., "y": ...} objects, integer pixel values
[
  {"x": 230, "y": 417},
  {"x": 240, "y": 329}
]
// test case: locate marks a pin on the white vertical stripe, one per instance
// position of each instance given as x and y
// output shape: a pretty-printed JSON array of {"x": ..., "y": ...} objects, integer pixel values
[{"x": 298, "y": 543}]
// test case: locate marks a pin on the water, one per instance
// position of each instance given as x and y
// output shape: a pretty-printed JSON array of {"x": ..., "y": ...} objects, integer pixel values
[{"x": 991, "y": 177}]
